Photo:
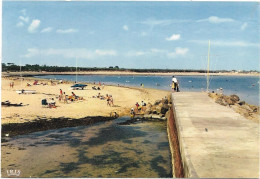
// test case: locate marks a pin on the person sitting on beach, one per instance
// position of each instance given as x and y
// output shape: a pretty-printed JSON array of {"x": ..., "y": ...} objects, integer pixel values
[
  {"x": 143, "y": 105},
  {"x": 137, "y": 105},
  {"x": 99, "y": 95},
  {"x": 94, "y": 88},
  {"x": 132, "y": 113},
  {"x": 28, "y": 84},
  {"x": 98, "y": 88},
  {"x": 74, "y": 96},
  {"x": 52, "y": 103}
]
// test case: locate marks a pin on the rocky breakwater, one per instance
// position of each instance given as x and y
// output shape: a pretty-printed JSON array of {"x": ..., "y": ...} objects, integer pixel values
[
  {"x": 233, "y": 101},
  {"x": 159, "y": 110}
]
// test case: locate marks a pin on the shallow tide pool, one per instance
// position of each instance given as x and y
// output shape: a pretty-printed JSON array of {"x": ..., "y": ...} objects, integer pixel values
[{"x": 104, "y": 149}]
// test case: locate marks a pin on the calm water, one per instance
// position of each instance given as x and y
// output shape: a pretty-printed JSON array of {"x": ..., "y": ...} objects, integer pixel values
[
  {"x": 247, "y": 88},
  {"x": 102, "y": 150}
]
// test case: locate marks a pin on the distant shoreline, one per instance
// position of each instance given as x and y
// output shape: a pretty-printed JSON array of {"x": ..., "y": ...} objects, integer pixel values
[{"x": 126, "y": 73}]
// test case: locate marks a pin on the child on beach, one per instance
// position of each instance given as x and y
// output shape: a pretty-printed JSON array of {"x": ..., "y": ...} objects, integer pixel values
[
  {"x": 111, "y": 100},
  {"x": 108, "y": 100}
]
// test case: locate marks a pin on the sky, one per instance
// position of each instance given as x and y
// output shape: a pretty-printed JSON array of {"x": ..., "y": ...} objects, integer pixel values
[{"x": 159, "y": 35}]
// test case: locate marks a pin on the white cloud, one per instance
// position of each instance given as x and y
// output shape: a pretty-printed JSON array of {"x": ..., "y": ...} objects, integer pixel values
[
  {"x": 163, "y": 22},
  {"x": 34, "y": 25},
  {"x": 243, "y": 26},
  {"x": 150, "y": 52},
  {"x": 66, "y": 31},
  {"x": 25, "y": 19},
  {"x": 45, "y": 30},
  {"x": 174, "y": 37},
  {"x": 125, "y": 27},
  {"x": 229, "y": 43},
  {"x": 178, "y": 51},
  {"x": 19, "y": 24},
  {"x": 105, "y": 52},
  {"x": 70, "y": 53},
  {"x": 216, "y": 20}
]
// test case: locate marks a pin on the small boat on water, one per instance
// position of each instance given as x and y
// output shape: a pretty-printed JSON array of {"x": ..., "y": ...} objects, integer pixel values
[
  {"x": 78, "y": 86},
  {"x": 26, "y": 91}
]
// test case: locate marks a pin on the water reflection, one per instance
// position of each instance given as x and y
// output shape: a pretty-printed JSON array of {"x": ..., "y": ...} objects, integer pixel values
[{"x": 100, "y": 150}]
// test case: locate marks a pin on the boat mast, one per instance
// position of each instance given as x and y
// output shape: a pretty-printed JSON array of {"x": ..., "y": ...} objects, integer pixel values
[
  {"x": 208, "y": 69},
  {"x": 76, "y": 69},
  {"x": 21, "y": 72}
]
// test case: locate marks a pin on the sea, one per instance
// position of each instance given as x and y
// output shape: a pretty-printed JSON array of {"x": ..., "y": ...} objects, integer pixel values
[{"x": 246, "y": 87}]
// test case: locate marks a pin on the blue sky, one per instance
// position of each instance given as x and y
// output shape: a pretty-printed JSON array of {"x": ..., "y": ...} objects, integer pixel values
[{"x": 166, "y": 35}]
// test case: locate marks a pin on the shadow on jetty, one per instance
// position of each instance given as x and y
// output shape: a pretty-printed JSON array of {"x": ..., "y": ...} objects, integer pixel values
[{"x": 14, "y": 129}]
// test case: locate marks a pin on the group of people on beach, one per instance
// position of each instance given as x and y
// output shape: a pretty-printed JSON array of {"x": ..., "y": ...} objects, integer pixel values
[
  {"x": 138, "y": 109},
  {"x": 66, "y": 98}
]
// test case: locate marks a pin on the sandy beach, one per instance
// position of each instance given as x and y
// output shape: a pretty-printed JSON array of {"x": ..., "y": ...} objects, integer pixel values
[{"x": 124, "y": 99}]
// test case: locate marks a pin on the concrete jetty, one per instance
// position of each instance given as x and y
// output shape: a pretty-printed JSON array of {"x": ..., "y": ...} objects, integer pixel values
[{"x": 215, "y": 141}]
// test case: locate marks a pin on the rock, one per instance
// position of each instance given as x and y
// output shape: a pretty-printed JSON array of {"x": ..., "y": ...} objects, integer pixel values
[
  {"x": 241, "y": 103},
  {"x": 148, "y": 111},
  {"x": 254, "y": 108},
  {"x": 234, "y": 98},
  {"x": 228, "y": 100},
  {"x": 164, "y": 109},
  {"x": 149, "y": 105},
  {"x": 221, "y": 101},
  {"x": 161, "y": 115},
  {"x": 164, "y": 118},
  {"x": 157, "y": 102},
  {"x": 147, "y": 116},
  {"x": 213, "y": 96},
  {"x": 167, "y": 114},
  {"x": 154, "y": 112},
  {"x": 156, "y": 117},
  {"x": 247, "y": 107},
  {"x": 158, "y": 109}
]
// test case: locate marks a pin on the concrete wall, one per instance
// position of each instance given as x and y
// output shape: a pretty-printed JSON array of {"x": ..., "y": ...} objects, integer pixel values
[
  {"x": 188, "y": 169},
  {"x": 177, "y": 167}
]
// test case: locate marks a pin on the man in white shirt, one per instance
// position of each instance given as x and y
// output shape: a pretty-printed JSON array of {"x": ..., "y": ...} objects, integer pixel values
[{"x": 176, "y": 84}]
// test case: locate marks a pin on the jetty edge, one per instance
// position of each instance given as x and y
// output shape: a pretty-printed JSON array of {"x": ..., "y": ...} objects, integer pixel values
[{"x": 214, "y": 140}]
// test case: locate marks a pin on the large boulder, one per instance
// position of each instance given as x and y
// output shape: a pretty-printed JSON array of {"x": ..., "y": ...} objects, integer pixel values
[
  {"x": 241, "y": 103},
  {"x": 221, "y": 101},
  {"x": 157, "y": 102},
  {"x": 234, "y": 98},
  {"x": 158, "y": 109},
  {"x": 164, "y": 108},
  {"x": 228, "y": 100}
]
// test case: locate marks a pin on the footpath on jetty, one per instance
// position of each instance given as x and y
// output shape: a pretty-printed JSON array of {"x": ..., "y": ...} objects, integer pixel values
[{"x": 215, "y": 141}]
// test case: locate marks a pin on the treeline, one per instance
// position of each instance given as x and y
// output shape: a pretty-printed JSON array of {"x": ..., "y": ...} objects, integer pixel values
[{"x": 11, "y": 67}]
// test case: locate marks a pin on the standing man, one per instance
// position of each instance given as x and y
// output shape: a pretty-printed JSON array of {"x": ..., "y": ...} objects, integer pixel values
[{"x": 175, "y": 82}]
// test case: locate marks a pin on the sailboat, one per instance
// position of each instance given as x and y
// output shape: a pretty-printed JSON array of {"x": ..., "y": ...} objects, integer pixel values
[{"x": 77, "y": 86}]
